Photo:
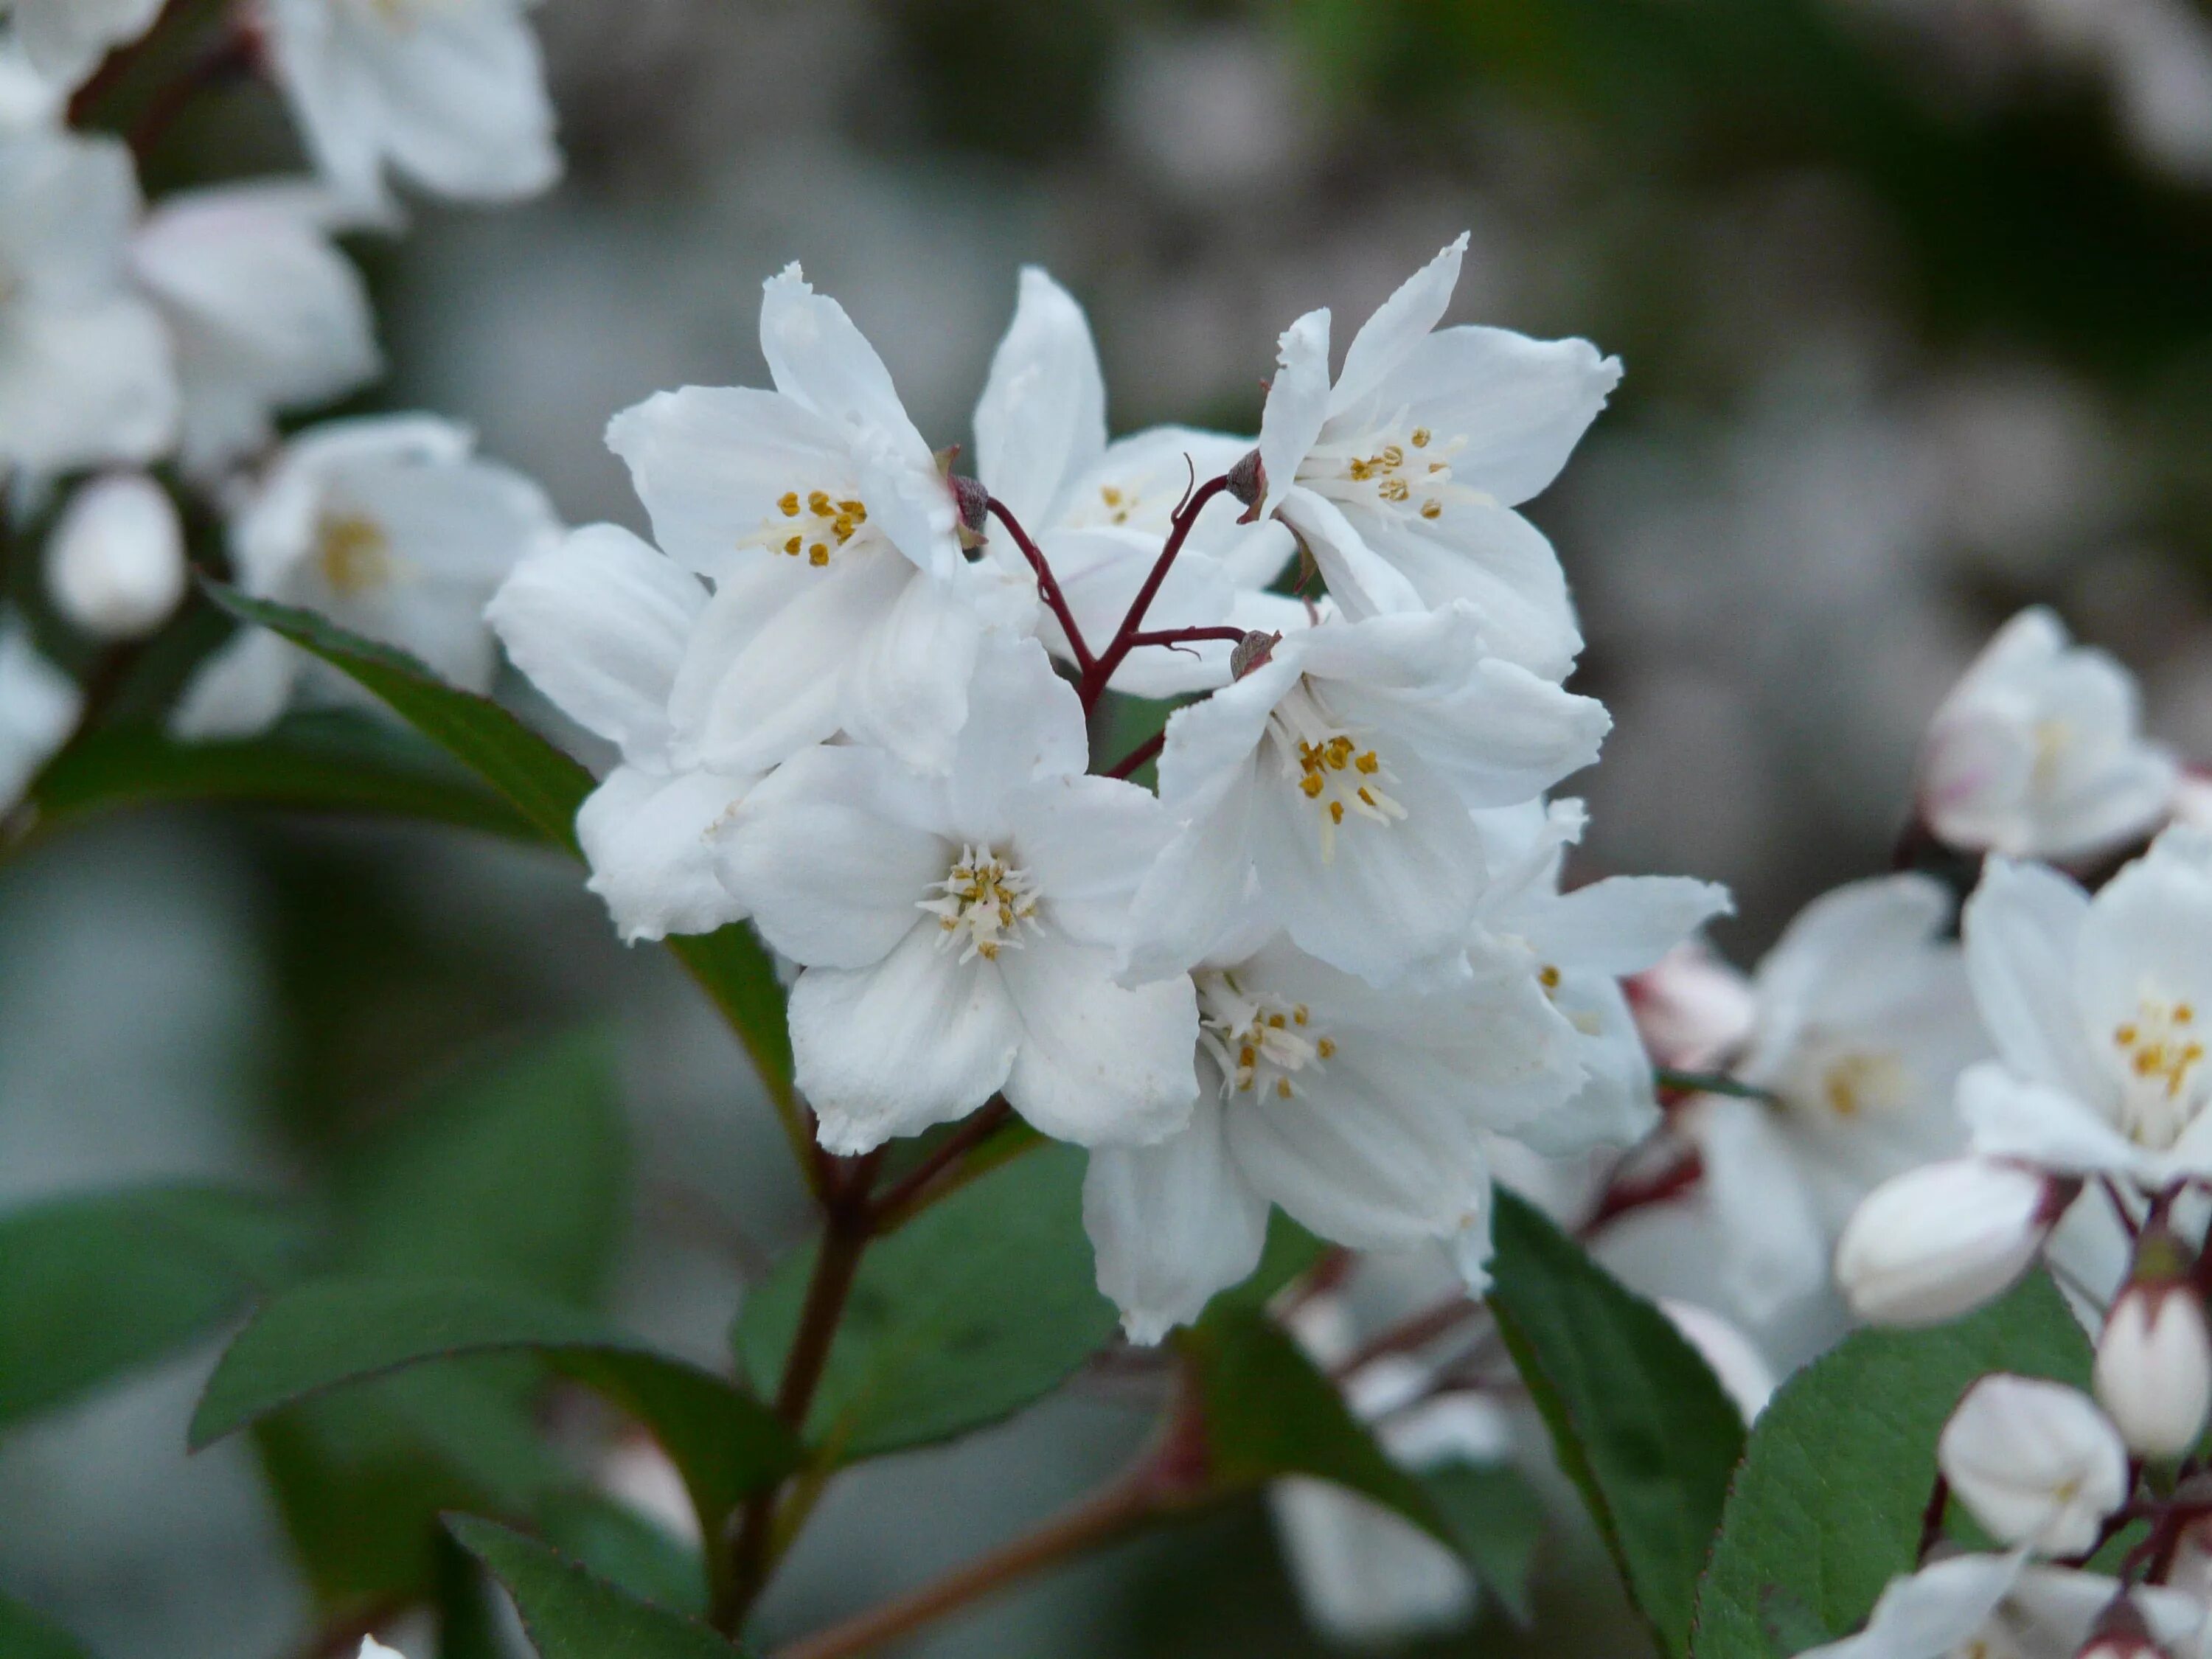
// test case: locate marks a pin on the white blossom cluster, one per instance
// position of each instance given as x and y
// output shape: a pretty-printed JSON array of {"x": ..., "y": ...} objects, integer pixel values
[
  {"x": 855, "y": 699},
  {"x": 176, "y": 335}
]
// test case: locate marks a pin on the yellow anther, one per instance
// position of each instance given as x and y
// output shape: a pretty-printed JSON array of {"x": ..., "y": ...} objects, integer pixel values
[
  {"x": 789, "y": 503},
  {"x": 1421, "y": 436},
  {"x": 1298, "y": 1014},
  {"x": 1432, "y": 510},
  {"x": 791, "y": 546},
  {"x": 1548, "y": 977},
  {"x": 1326, "y": 1048},
  {"x": 817, "y": 503},
  {"x": 819, "y": 554},
  {"x": 1369, "y": 764},
  {"x": 1283, "y": 1089},
  {"x": 1336, "y": 811},
  {"x": 1312, "y": 785}
]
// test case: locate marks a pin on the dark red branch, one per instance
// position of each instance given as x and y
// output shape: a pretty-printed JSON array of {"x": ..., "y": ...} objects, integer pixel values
[
  {"x": 1174, "y": 636},
  {"x": 1148, "y": 749},
  {"x": 1048, "y": 590},
  {"x": 1126, "y": 637}
]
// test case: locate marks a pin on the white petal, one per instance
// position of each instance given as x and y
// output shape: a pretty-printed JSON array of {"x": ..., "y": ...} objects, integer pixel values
[
  {"x": 1778, "y": 1251},
  {"x": 1023, "y": 724},
  {"x": 1171, "y": 1224},
  {"x": 1041, "y": 421},
  {"x": 85, "y": 385},
  {"x": 918, "y": 1039},
  {"x": 240, "y": 690},
  {"x": 1836, "y": 963},
  {"x": 2022, "y": 928},
  {"x": 1497, "y": 561},
  {"x": 1088, "y": 843},
  {"x": 1099, "y": 573},
  {"x": 1932, "y": 1613},
  {"x": 1623, "y": 924},
  {"x": 2146, "y": 935},
  {"x": 2010, "y": 1116},
  {"x": 599, "y": 623},
  {"x": 1398, "y": 332},
  {"x": 2035, "y": 1462},
  {"x": 1100, "y": 1064},
  {"x": 1298, "y": 404},
  {"x": 1193, "y": 892},
  {"x": 1360, "y": 580},
  {"x": 906, "y": 682},
  {"x": 646, "y": 837}
]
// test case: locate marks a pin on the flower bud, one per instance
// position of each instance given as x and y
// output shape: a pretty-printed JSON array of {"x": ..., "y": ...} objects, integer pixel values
[
  {"x": 2035, "y": 1462},
  {"x": 115, "y": 563},
  {"x": 1251, "y": 651},
  {"x": 973, "y": 504},
  {"x": 1248, "y": 482},
  {"x": 1942, "y": 1239},
  {"x": 2154, "y": 1371}
]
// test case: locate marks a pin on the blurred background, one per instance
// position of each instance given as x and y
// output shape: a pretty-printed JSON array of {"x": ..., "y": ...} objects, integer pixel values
[{"x": 1915, "y": 300}]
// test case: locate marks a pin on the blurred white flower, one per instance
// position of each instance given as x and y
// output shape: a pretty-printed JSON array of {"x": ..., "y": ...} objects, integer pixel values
[
  {"x": 1579, "y": 946},
  {"x": 2000, "y": 1604},
  {"x": 115, "y": 558},
  {"x": 1862, "y": 1023},
  {"x": 2097, "y": 1008},
  {"x": 85, "y": 373},
  {"x": 266, "y": 315},
  {"x": 391, "y": 528},
  {"x": 1340, "y": 771},
  {"x": 1736, "y": 1364},
  {"x": 2039, "y": 752},
  {"x": 39, "y": 709},
  {"x": 1402, "y": 476},
  {"x": 1693, "y": 1008},
  {"x": 372, "y": 1649},
  {"x": 635, "y": 1472},
  {"x": 957, "y": 933},
  {"x": 600, "y": 622},
  {"x": 843, "y": 601},
  {"x": 448, "y": 93},
  {"x": 65, "y": 39},
  {"x": 1100, "y": 513},
  {"x": 1939, "y": 1241},
  {"x": 2035, "y": 1462},
  {"x": 1362, "y": 1112},
  {"x": 2154, "y": 1371}
]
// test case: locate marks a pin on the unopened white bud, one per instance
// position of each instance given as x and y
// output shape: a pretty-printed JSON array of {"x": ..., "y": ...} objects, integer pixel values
[
  {"x": 372, "y": 1649},
  {"x": 115, "y": 563},
  {"x": 2154, "y": 1371},
  {"x": 1941, "y": 1240},
  {"x": 2036, "y": 1462}
]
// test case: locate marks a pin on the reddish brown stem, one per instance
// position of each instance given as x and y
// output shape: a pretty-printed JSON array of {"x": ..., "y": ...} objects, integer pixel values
[
  {"x": 1931, "y": 1518},
  {"x": 1408, "y": 1334},
  {"x": 1620, "y": 1200},
  {"x": 891, "y": 1206},
  {"x": 1136, "y": 757},
  {"x": 234, "y": 54},
  {"x": 1096, "y": 676},
  {"x": 1173, "y": 636},
  {"x": 1048, "y": 587}
]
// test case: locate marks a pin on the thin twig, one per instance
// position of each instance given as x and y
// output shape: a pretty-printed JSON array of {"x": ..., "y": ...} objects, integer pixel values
[
  {"x": 1714, "y": 1083},
  {"x": 1148, "y": 749},
  {"x": 1096, "y": 675},
  {"x": 1047, "y": 587},
  {"x": 980, "y": 1127}
]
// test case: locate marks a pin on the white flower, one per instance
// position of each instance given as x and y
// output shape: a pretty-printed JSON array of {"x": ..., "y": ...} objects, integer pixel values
[
  {"x": 2096, "y": 1006},
  {"x": 843, "y": 601},
  {"x": 1939, "y": 1241},
  {"x": 449, "y": 94},
  {"x": 115, "y": 558},
  {"x": 1999, "y": 1605},
  {"x": 266, "y": 313},
  {"x": 1362, "y": 1112},
  {"x": 2039, "y": 752},
  {"x": 2035, "y": 1462},
  {"x": 85, "y": 375},
  {"x": 1403, "y": 476},
  {"x": 1693, "y": 1008},
  {"x": 1863, "y": 1022},
  {"x": 600, "y": 622},
  {"x": 643, "y": 1479},
  {"x": 372, "y": 1649},
  {"x": 1100, "y": 511},
  {"x": 1340, "y": 771},
  {"x": 1579, "y": 946},
  {"x": 65, "y": 39},
  {"x": 956, "y": 933},
  {"x": 2154, "y": 1371},
  {"x": 39, "y": 709},
  {"x": 390, "y": 527}
]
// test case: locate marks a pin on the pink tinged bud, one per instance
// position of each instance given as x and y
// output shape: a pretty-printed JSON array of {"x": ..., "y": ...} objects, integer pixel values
[
  {"x": 115, "y": 563},
  {"x": 2035, "y": 1462},
  {"x": 1248, "y": 482},
  {"x": 1250, "y": 652},
  {"x": 2121, "y": 1632},
  {"x": 1939, "y": 1241},
  {"x": 972, "y": 503},
  {"x": 2154, "y": 1372}
]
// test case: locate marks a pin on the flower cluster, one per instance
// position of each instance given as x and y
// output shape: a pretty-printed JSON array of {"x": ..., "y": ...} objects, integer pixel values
[
  {"x": 181, "y": 332},
  {"x": 854, "y": 695}
]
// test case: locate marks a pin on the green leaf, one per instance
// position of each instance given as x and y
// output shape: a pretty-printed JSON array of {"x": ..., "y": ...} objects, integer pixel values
[
  {"x": 1496, "y": 1519},
  {"x": 94, "y": 1286},
  {"x": 981, "y": 1304},
  {"x": 543, "y": 784},
  {"x": 627, "y": 1550},
  {"x": 544, "y": 788},
  {"x": 1269, "y": 1413},
  {"x": 569, "y": 1614},
  {"x": 25, "y": 1635},
  {"x": 1827, "y": 1505},
  {"x": 331, "y": 761},
  {"x": 1636, "y": 1416},
  {"x": 515, "y": 1172},
  {"x": 340, "y": 1331},
  {"x": 1289, "y": 1252}
]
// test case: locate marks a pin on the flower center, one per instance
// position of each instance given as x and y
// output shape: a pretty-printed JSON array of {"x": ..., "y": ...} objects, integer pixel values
[
  {"x": 2053, "y": 739},
  {"x": 1848, "y": 1082},
  {"x": 813, "y": 524},
  {"x": 2161, "y": 1082},
  {"x": 1329, "y": 765},
  {"x": 1395, "y": 468},
  {"x": 983, "y": 903},
  {"x": 1259, "y": 1041},
  {"x": 354, "y": 554}
]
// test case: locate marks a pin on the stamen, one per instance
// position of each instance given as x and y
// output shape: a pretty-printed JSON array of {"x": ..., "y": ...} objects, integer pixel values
[
  {"x": 987, "y": 900},
  {"x": 828, "y": 524},
  {"x": 1256, "y": 1039}
]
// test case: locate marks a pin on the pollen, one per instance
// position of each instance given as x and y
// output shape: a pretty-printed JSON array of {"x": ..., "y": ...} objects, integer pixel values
[
  {"x": 352, "y": 553},
  {"x": 985, "y": 902},
  {"x": 1548, "y": 977},
  {"x": 1260, "y": 1042},
  {"x": 1392, "y": 467},
  {"x": 827, "y": 522},
  {"x": 1328, "y": 766}
]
